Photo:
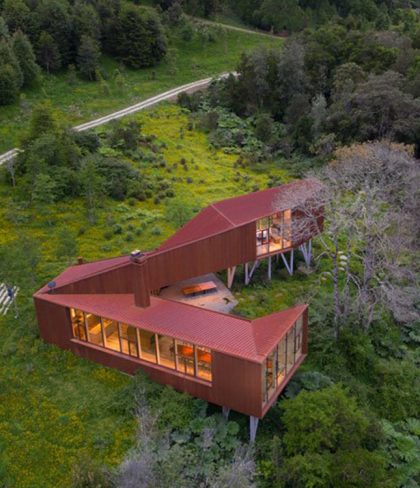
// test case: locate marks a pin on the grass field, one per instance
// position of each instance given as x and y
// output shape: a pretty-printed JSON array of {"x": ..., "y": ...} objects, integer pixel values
[
  {"x": 187, "y": 61},
  {"x": 56, "y": 408}
]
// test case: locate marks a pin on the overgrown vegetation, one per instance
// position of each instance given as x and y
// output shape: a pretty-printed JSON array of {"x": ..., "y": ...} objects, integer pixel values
[
  {"x": 325, "y": 88},
  {"x": 294, "y": 15},
  {"x": 91, "y": 86},
  {"x": 349, "y": 418},
  {"x": 56, "y": 34}
]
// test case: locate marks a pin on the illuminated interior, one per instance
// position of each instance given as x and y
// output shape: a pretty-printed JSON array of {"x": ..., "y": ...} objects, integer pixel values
[
  {"x": 282, "y": 359},
  {"x": 274, "y": 233},
  {"x": 187, "y": 358}
]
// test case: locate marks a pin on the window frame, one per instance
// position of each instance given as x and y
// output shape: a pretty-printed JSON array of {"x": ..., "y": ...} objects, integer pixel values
[{"x": 194, "y": 362}]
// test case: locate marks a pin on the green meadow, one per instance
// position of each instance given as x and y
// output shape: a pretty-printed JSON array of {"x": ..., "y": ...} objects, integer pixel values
[
  {"x": 82, "y": 101},
  {"x": 56, "y": 408}
]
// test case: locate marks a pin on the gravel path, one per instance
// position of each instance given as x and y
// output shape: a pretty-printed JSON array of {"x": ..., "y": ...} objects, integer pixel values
[{"x": 165, "y": 96}]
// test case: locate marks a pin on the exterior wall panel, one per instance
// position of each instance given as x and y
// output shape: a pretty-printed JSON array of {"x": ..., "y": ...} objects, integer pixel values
[
  {"x": 236, "y": 383},
  {"x": 205, "y": 256},
  {"x": 119, "y": 280},
  {"x": 54, "y": 323}
]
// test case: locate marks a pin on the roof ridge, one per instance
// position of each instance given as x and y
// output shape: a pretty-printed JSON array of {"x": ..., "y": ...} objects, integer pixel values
[
  {"x": 213, "y": 205},
  {"x": 93, "y": 273}
]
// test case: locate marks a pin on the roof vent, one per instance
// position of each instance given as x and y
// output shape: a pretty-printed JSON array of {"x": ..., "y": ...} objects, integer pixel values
[
  {"x": 51, "y": 285},
  {"x": 136, "y": 255}
]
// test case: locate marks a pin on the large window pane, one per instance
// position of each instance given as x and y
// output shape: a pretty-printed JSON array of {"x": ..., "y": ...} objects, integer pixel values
[
  {"x": 204, "y": 363},
  {"x": 290, "y": 349},
  {"x": 270, "y": 374},
  {"x": 299, "y": 337},
  {"x": 185, "y": 357},
  {"x": 263, "y": 235},
  {"x": 287, "y": 228},
  {"x": 128, "y": 340},
  {"x": 281, "y": 361},
  {"x": 264, "y": 383},
  {"x": 148, "y": 346},
  {"x": 166, "y": 351},
  {"x": 94, "y": 327},
  {"x": 112, "y": 339},
  {"x": 78, "y": 324}
]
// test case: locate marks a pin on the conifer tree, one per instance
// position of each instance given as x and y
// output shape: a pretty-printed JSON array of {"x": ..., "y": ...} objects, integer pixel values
[
  {"x": 7, "y": 57},
  {"x": 8, "y": 88},
  {"x": 48, "y": 53},
  {"x": 25, "y": 56},
  {"x": 88, "y": 56}
]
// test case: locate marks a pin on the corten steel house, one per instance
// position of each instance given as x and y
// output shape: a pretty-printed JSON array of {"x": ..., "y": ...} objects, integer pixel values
[{"x": 111, "y": 311}]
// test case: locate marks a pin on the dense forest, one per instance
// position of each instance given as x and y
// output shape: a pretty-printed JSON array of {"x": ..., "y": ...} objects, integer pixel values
[
  {"x": 59, "y": 34},
  {"x": 295, "y": 15},
  {"x": 326, "y": 88},
  {"x": 339, "y": 101}
]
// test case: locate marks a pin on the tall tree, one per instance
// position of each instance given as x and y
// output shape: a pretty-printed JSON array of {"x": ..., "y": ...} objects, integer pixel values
[
  {"x": 7, "y": 57},
  {"x": 9, "y": 90},
  {"x": 17, "y": 15},
  {"x": 88, "y": 56},
  {"x": 43, "y": 120},
  {"x": 25, "y": 56},
  {"x": 48, "y": 53},
  {"x": 92, "y": 187},
  {"x": 4, "y": 30},
  {"x": 53, "y": 17},
  {"x": 140, "y": 40},
  {"x": 86, "y": 21}
]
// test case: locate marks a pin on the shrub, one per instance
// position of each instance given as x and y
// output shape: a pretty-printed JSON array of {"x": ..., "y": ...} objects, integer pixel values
[{"x": 117, "y": 229}]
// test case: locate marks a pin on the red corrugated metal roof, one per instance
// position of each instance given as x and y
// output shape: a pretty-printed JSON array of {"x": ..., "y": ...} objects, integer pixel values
[
  {"x": 79, "y": 271},
  {"x": 252, "y": 206},
  {"x": 270, "y": 329},
  {"x": 234, "y": 212},
  {"x": 228, "y": 334},
  {"x": 208, "y": 221}
]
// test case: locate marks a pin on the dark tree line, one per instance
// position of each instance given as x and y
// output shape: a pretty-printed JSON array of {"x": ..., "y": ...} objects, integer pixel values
[
  {"x": 327, "y": 87},
  {"x": 295, "y": 15},
  {"x": 54, "y": 34}
]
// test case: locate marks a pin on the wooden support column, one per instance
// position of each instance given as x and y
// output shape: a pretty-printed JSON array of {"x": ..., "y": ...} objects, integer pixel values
[
  {"x": 289, "y": 265},
  {"x": 292, "y": 256},
  {"x": 225, "y": 412},
  {"x": 253, "y": 426},
  {"x": 230, "y": 276},
  {"x": 306, "y": 250},
  {"x": 246, "y": 272},
  {"x": 269, "y": 267}
]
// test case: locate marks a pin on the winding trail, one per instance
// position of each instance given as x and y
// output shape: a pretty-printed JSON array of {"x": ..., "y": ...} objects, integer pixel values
[{"x": 149, "y": 102}]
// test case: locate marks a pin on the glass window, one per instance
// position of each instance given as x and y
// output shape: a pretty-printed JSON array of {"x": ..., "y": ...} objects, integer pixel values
[
  {"x": 287, "y": 228},
  {"x": 166, "y": 351},
  {"x": 264, "y": 383},
  {"x": 281, "y": 361},
  {"x": 94, "y": 327},
  {"x": 112, "y": 338},
  {"x": 263, "y": 235},
  {"x": 128, "y": 340},
  {"x": 299, "y": 336},
  {"x": 148, "y": 346},
  {"x": 270, "y": 364},
  {"x": 290, "y": 349},
  {"x": 204, "y": 363},
  {"x": 78, "y": 324},
  {"x": 185, "y": 357}
]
